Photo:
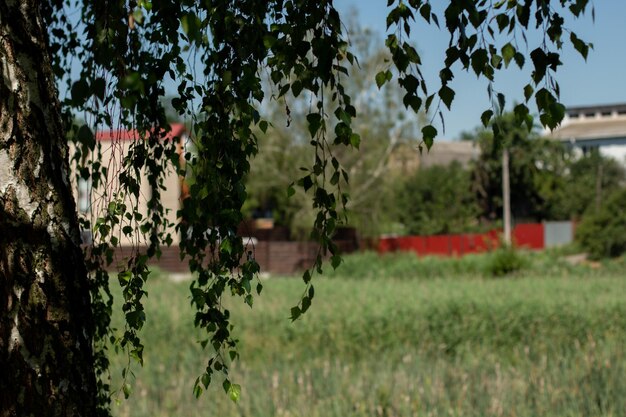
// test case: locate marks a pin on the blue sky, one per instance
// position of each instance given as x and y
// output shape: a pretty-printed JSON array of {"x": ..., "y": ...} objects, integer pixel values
[{"x": 600, "y": 80}]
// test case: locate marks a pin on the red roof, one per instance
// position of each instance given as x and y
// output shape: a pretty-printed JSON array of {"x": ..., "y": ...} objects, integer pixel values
[{"x": 177, "y": 130}]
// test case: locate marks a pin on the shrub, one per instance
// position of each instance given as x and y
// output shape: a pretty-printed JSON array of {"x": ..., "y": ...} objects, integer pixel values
[
  {"x": 602, "y": 233},
  {"x": 504, "y": 261}
]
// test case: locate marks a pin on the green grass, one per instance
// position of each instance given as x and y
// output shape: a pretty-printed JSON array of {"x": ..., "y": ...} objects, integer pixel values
[{"x": 448, "y": 342}]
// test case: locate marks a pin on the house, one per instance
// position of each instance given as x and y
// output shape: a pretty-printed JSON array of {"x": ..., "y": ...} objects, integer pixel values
[
  {"x": 406, "y": 158},
  {"x": 601, "y": 126},
  {"x": 115, "y": 145}
]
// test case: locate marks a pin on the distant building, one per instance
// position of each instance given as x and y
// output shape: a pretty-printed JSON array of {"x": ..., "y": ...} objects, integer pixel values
[
  {"x": 586, "y": 127},
  {"x": 407, "y": 158},
  {"x": 115, "y": 145}
]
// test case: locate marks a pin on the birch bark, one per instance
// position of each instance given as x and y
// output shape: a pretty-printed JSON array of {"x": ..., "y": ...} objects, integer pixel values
[{"x": 46, "y": 360}]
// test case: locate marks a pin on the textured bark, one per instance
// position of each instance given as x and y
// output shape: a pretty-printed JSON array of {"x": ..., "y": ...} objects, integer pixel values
[{"x": 46, "y": 360}]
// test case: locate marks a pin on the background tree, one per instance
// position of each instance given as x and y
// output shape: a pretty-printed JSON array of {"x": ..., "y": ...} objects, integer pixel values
[
  {"x": 538, "y": 168},
  {"x": 601, "y": 232},
  {"x": 212, "y": 51},
  {"x": 548, "y": 180},
  {"x": 383, "y": 127},
  {"x": 437, "y": 200},
  {"x": 590, "y": 180}
]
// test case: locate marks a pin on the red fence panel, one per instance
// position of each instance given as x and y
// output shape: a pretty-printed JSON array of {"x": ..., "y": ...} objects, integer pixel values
[
  {"x": 438, "y": 245},
  {"x": 455, "y": 245},
  {"x": 529, "y": 235},
  {"x": 526, "y": 235}
]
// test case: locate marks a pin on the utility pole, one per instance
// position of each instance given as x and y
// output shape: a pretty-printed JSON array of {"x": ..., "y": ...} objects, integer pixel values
[{"x": 506, "y": 196}]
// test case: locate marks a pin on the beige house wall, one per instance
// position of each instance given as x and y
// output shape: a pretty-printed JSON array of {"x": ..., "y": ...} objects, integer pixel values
[
  {"x": 407, "y": 159},
  {"x": 93, "y": 203}
]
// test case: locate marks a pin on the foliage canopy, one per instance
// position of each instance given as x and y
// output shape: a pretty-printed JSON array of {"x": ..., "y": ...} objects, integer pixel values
[{"x": 438, "y": 200}]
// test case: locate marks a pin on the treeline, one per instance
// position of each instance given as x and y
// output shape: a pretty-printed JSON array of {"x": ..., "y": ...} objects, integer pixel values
[{"x": 548, "y": 180}]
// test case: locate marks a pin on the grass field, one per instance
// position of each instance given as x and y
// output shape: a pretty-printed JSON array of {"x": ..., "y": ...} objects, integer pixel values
[{"x": 388, "y": 338}]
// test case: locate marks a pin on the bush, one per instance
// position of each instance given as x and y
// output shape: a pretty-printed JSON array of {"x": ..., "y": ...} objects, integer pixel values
[
  {"x": 602, "y": 233},
  {"x": 504, "y": 261}
]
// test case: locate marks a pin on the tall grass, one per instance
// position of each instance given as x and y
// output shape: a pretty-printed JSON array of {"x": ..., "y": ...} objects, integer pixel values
[
  {"x": 406, "y": 265},
  {"x": 387, "y": 345}
]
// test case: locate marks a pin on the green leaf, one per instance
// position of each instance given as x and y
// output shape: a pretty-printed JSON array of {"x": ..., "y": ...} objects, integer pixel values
[
  {"x": 496, "y": 60},
  {"x": 428, "y": 135},
  {"x": 80, "y": 91},
  {"x": 381, "y": 79},
  {"x": 124, "y": 277},
  {"x": 206, "y": 380},
  {"x": 306, "y": 303},
  {"x": 579, "y": 45},
  {"x": 425, "y": 12},
  {"x": 479, "y": 60},
  {"x": 503, "y": 21},
  {"x": 127, "y": 389},
  {"x": 306, "y": 182},
  {"x": 132, "y": 82},
  {"x": 296, "y": 88},
  {"x": 269, "y": 41},
  {"x": 486, "y": 117},
  {"x": 521, "y": 112},
  {"x": 540, "y": 62},
  {"x": 508, "y": 52},
  {"x": 295, "y": 313},
  {"x": 528, "y": 92},
  {"x": 335, "y": 261},
  {"x": 234, "y": 392},
  {"x": 355, "y": 140},
  {"x": 412, "y": 101},
  {"x": 86, "y": 137},
  {"x": 410, "y": 83},
  {"x": 99, "y": 88},
  {"x": 197, "y": 391},
  {"x": 501, "y": 102},
  {"x": 138, "y": 15},
  {"x": 447, "y": 95},
  {"x": 191, "y": 26},
  {"x": 411, "y": 53},
  {"x": 315, "y": 122},
  {"x": 226, "y": 246}
]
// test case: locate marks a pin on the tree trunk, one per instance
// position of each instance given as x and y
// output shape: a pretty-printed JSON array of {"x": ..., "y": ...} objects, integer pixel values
[{"x": 46, "y": 359}]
